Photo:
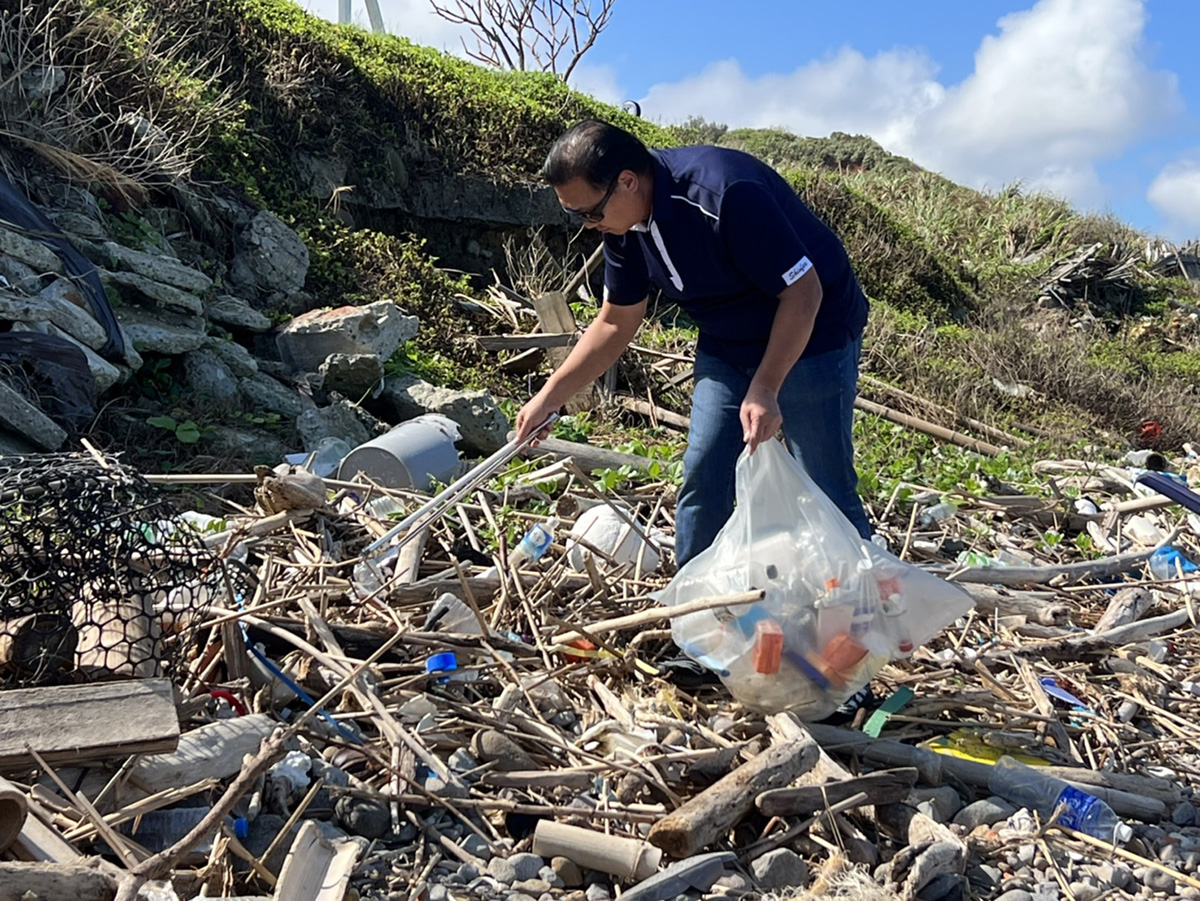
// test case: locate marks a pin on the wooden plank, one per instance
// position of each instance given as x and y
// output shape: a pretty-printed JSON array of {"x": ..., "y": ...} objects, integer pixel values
[
  {"x": 72, "y": 723},
  {"x": 14, "y": 808},
  {"x": 20, "y": 881},
  {"x": 525, "y": 342},
  {"x": 555, "y": 317}
]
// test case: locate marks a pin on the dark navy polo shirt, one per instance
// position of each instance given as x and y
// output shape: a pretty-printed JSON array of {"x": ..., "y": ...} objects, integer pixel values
[{"x": 726, "y": 235}]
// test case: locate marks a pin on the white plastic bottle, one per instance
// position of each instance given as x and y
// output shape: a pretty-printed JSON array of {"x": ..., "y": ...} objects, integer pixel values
[
  {"x": 1027, "y": 786},
  {"x": 534, "y": 544}
]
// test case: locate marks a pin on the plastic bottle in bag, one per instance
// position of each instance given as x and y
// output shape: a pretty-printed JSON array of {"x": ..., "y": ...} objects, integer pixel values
[
  {"x": 1027, "y": 786},
  {"x": 534, "y": 544}
]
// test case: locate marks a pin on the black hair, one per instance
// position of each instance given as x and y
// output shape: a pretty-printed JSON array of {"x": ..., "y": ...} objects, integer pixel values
[{"x": 596, "y": 152}]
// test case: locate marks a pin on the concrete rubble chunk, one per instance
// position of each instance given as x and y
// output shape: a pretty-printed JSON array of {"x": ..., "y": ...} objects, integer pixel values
[
  {"x": 272, "y": 257},
  {"x": 233, "y": 311},
  {"x": 104, "y": 373},
  {"x": 239, "y": 360},
  {"x": 209, "y": 376},
  {"x": 32, "y": 253},
  {"x": 161, "y": 331},
  {"x": 482, "y": 426},
  {"x": 266, "y": 393},
  {"x": 54, "y": 304},
  {"x": 23, "y": 418},
  {"x": 158, "y": 268},
  {"x": 378, "y": 328},
  {"x": 157, "y": 293},
  {"x": 355, "y": 375}
]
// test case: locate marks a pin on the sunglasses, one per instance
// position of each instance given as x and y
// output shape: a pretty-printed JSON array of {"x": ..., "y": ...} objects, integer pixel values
[{"x": 596, "y": 213}]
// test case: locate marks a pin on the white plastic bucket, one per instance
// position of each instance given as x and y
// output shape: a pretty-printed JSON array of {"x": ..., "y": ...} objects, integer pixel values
[{"x": 412, "y": 455}]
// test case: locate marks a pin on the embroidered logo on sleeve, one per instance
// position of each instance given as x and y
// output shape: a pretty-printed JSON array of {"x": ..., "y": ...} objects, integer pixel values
[{"x": 790, "y": 277}]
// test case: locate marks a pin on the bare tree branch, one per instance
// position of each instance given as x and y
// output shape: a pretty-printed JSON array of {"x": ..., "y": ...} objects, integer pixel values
[{"x": 526, "y": 34}]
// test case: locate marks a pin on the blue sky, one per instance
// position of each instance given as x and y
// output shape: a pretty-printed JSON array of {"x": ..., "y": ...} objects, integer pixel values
[{"x": 1096, "y": 101}]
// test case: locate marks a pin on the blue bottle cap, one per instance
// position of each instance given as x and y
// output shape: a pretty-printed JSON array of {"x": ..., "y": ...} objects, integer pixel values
[
  {"x": 241, "y": 827},
  {"x": 441, "y": 663}
]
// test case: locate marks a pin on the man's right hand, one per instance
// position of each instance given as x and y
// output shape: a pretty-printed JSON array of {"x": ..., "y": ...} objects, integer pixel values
[{"x": 536, "y": 411}]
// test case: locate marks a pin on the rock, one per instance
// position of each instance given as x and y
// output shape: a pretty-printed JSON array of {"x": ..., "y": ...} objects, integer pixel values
[
  {"x": 19, "y": 276},
  {"x": 255, "y": 445},
  {"x": 32, "y": 253},
  {"x": 232, "y": 355},
  {"x": 208, "y": 376},
  {"x": 233, "y": 311},
  {"x": 534, "y": 887},
  {"x": 266, "y": 393},
  {"x": 160, "y": 331},
  {"x": 138, "y": 289},
  {"x": 461, "y": 761},
  {"x": 946, "y": 887},
  {"x": 781, "y": 868},
  {"x": 1184, "y": 814},
  {"x": 526, "y": 865},
  {"x": 438, "y": 892},
  {"x": 377, "y": 329},
  {"x": 733, "y": 882},
  {"x": 466, "y": 873},
  {"x": 104, "y": 373},
  {"x": 502, "y": 870},
  {"x": 547, "y": 874},
  {"x": 483, "y": 427},
  {"x": 490, "y": 745},
  {"x": 22, "y": 418},
  {"x": 941, "y": 803},
  {"x": 568, "y": 871},
  {"x": 156, "y": 267},
  {"x": 1158, "y": 880},
  {"x": 1190, "y": 892},
  {"x": 272, "y": 257},
  {"x": 984, "y": 813},
  {"x": 355, "y": 375},
  {"x": 1016, "y": 894},
  {"x": 61, "y": 304},
  {"x": 362, "y": 816},
  {"x": 1085, "y": 892},
  {"x": 598, "y": 892},
  {"x": 340, "y": 419}
]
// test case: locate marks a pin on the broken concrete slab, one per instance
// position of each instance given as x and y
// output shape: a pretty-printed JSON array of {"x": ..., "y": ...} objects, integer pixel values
[
  {"x": 161, "y": 331},
  {"x": 54, "y": 304},
  {"x": 156, "y": 267},
  {"x": 20, "y": 416},
  {"x": 30, "y": 252},
  {"x": 378, "y": 328},
  {"x": 233, "y": 311},
  {"x": 483, "y": 427},
  {"x": 272, "y": 256},
  {"x": 139, "y": 289}
]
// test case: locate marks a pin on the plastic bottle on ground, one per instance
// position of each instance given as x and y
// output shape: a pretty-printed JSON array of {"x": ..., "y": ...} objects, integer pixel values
[
  {"x": 1029, "y": 787},
  {"x": 159, "y": 829},
  {"x": 534, "y": 544}
]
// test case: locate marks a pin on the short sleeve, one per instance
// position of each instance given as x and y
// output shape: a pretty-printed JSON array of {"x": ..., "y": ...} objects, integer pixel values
[
  {"x": 626, "y": 279},
  {"x": 760, "y": 239}
]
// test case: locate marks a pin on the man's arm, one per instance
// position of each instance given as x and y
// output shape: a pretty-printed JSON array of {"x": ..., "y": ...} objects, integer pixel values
[
  {"x": 598, "y": 348},
  {"x": 790, "y": 331}
]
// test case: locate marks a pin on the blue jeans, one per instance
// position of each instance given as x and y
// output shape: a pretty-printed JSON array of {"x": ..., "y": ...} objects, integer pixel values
[{"x": 817, "y": 404}]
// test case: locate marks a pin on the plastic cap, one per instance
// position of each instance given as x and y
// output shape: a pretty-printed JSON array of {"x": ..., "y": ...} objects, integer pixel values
[
  {"x": 441, "y": 663},
  {"x": 241, "y": 827},
  {"x": 1123, "y": 833}
]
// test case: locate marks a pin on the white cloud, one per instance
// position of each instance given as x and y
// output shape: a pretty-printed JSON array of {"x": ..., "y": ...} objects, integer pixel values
[
  {"x": 845, "y": 92},
  {"x": 1058, "y": 88},
  {"x": 413, "y": 19},
  {"x": 1175, "y": 194}
]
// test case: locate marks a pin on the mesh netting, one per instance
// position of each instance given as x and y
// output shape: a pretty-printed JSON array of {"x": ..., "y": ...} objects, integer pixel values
[{"x": 99, "y": 577}]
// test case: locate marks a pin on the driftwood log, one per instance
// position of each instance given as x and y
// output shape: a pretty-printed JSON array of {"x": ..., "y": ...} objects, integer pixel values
[
  {"x": 883, "y": 787},
  {"x": 711, "y": 814},
  {"x": 20, "y": 881}
]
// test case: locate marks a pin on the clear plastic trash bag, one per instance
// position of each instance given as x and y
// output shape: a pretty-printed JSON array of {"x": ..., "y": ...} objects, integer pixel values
[{"x": 836, "y": 607}]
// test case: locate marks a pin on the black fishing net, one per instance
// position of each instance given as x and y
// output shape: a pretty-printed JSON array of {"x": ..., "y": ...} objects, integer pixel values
[{"x": 99, "y": 576}]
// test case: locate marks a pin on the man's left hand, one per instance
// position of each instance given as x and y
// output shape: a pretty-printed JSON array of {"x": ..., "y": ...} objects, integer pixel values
[{"x": 760, "y": 415}]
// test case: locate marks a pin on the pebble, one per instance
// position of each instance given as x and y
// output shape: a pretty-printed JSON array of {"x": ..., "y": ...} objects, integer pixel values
[
  {"x": 733, "y": 882},
  {"x": 477, "y": 846},
  {"x": 1184, "y": 814},
  {"x": 502, "y": 870},
  {"x": 1159, "y": 881},
  {"x": 1016, "y": 894},
  {"x": 438, "y": 892},
  {"x": 535, "y": 887},
  {"x": 547, "y": 874},
  {"x": 527, "y": 866},
  {"x": 361, "y": 816},
  {"x": 598, "y": 892},
  {"x": 568, "y": 871},
  {"x": 1026, "y": 853},
  {"x": 984, "y": 813},
  {"x": 781, "y": 868},
  {"x": 940, "y": 803},
  {"x": 1169, "y": 853},
  {"x": 461, "y": 761},
  {"x": 1085, "y": 892},
  {"x": 466, "y": 873},
  {"x": 1189, "y": 892}
]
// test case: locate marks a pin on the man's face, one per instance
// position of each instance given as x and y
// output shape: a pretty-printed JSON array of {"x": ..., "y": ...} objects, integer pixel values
[{"x": 612, "y": 208}]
